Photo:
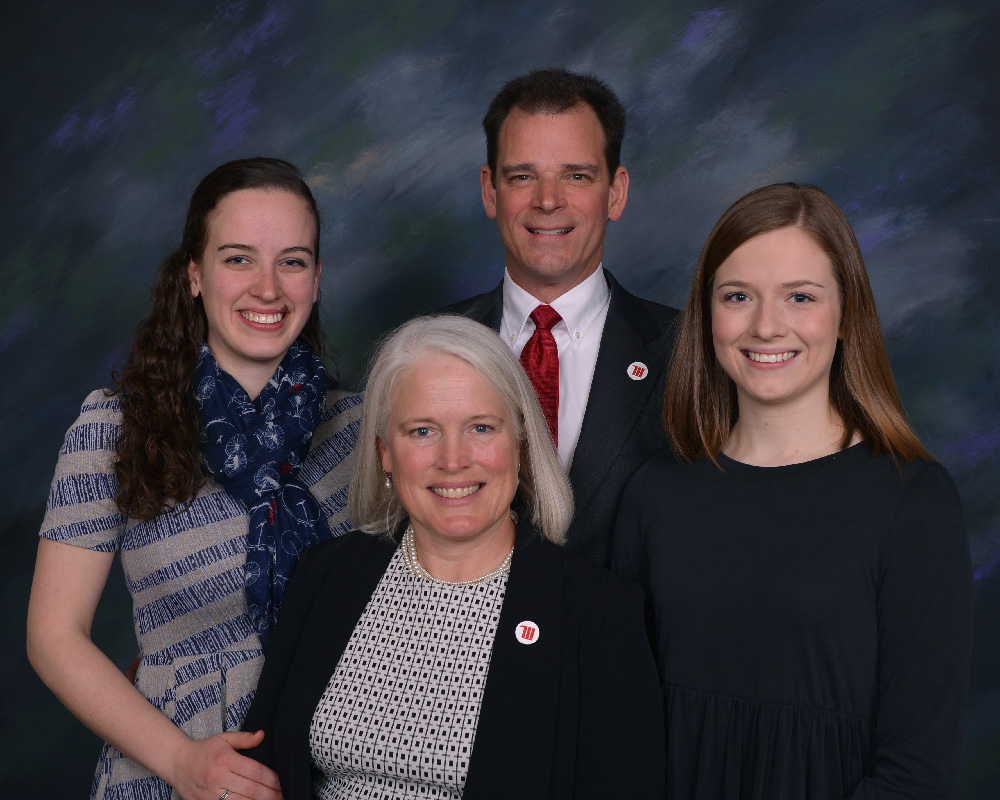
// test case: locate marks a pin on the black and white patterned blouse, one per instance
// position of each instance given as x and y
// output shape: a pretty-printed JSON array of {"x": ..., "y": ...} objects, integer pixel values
[{"x": 399, "y": 716}]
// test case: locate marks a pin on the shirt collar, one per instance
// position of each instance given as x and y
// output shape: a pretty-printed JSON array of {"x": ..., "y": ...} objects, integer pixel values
[{"x": 579, "y": 307}]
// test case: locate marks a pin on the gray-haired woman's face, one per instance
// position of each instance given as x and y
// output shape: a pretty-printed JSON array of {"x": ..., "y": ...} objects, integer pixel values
[{"x": 451, "y": 447}]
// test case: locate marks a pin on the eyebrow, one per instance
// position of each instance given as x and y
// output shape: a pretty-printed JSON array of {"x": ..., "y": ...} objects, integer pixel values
[
  {"x": 786, "y": 285},
  {"x": 252, "y": 249},
  {"x": 510, "y": 169},
  {"x": 474, "y": 419}
]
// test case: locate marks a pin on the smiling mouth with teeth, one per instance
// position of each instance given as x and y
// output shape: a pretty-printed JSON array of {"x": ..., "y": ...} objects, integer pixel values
[
  {"x": 549, "y": 232},
  {"x": 770, "y": 358},
  {"x": 263, "y": 319},
  {"x": 454, "y": 494}
]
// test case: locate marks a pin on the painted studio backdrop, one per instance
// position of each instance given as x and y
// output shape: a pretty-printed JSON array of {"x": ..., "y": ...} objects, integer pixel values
[{"x": 115, "y": 110}]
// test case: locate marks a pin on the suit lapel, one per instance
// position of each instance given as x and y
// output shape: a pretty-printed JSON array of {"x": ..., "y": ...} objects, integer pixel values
[
  {"x": 616, "y": 400},
  {"x": 515, "y": 737}
]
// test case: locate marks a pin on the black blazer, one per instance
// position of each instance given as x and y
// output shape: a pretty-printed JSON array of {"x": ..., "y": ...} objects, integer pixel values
[
  {"x": 622, "y": 427},
  {"x": 577, "y": 714}
]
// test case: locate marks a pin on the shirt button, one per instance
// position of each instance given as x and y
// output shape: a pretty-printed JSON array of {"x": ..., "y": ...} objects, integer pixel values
[{"x": 578, "y": 334}]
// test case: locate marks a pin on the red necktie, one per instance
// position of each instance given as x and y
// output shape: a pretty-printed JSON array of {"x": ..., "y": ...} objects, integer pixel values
[{"x": 540, "y": 359}]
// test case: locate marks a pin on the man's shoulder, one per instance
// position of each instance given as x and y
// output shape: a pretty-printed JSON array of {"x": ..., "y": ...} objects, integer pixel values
[
  {"x": 649, "y": 320},
  {"x": 486, "y": 308},
  {"x": 470, "y": 305},
  {"x": 663, "y": 316}
]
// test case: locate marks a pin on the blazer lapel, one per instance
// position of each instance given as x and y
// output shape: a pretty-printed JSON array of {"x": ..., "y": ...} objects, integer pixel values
[
  {"x": 345, "y": 592},
  {"x": 515, "y": 737},
  {"x": 616, "y": 400}
]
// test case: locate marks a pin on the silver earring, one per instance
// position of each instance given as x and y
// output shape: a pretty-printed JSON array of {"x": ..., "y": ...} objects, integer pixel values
[{"x": 388, "y": 480}]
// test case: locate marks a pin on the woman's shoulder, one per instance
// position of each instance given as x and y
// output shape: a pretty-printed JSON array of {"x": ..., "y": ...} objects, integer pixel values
[
  {"x": 341, "y": 401},
  {"x": 101, "y": 404},
  {"x": 97, "y": 426},
  {"x": 666, "y": 462},
  {"x": 341, "y": 416},
  {"x": 666, "y": 472},
  {"x": 104, "y": 399},
  {"x": 81, "y": 508},
  {"x": 927, "y": 484},
  {"x": 345, "y": 561},
  {"x": 927, "y": 473},
  {"x": 355, "y": 544},
  {"x": 927, "y": 481}
]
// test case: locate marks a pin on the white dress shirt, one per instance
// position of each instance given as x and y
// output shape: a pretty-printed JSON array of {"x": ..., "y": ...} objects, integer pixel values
[{"x": 583, "y": 309}]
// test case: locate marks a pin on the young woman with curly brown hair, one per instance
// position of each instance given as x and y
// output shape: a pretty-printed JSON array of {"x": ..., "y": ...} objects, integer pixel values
[{"x": 222, "y": 452}]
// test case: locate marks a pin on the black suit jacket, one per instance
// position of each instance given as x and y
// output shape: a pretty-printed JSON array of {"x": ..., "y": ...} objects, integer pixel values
[
  {"x": 577, "y": 714},
  {"x": 622, "y": 427}
]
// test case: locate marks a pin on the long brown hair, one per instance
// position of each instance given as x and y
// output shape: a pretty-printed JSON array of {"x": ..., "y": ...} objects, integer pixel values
[
  {"x": 159, "y": 448},
  {"x": 700, "y": 407}
]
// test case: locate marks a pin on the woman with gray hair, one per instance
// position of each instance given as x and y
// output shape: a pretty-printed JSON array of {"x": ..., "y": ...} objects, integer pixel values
[{"x": 450, "y": 648}]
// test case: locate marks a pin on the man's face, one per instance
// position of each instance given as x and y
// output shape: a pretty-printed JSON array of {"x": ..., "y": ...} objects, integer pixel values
[{"x": 553, "y": 198}]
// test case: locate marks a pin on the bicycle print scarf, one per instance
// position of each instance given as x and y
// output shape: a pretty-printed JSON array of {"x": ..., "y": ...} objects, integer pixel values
[{"x": 254, "y": 449}]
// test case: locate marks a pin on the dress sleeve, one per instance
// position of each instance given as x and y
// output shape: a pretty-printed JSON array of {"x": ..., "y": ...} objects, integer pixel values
[
  {"x": 620, "y": 745},
  {"x": 81, "y": 508},
  {"x": 924, "y": 610}
]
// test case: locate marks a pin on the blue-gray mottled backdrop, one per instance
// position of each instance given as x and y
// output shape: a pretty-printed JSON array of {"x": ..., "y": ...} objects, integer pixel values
[{"x": 115, "y": 110}]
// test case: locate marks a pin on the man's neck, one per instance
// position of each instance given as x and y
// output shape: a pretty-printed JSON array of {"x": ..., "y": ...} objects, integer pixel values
[{"x": 546, "y": 292}]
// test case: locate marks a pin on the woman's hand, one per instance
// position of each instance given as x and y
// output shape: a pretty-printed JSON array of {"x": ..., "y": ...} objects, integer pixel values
[
  {"x": 64, "y": 595},
  {"x": 206, "y": 769}
]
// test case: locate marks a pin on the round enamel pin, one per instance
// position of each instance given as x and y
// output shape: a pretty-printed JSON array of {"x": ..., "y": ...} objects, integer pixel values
[
  {"x": 526, "y": 632},
  {"x": 637, "y": 370}
]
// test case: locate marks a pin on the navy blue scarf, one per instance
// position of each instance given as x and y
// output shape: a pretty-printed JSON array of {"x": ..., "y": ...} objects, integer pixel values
[{"x": 254, "y": 449}]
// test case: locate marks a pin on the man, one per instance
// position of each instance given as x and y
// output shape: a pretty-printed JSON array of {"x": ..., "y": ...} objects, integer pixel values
[{"x": 552, "y": 182}]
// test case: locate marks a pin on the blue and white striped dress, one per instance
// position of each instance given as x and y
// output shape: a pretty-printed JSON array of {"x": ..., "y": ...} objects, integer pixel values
[{"x": 200, "y": 654}]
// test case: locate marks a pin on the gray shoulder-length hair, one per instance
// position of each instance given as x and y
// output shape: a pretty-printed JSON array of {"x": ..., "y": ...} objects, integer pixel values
[{"x": 542, "y": 490}]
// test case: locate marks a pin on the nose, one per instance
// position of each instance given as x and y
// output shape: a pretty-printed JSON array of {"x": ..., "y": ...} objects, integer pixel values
[
  {"x": 548, "y": 193},
  {"x": 454, "y": 454},
  {"x": 767, "y": 321},
  {"x": 266, "y": 285}
]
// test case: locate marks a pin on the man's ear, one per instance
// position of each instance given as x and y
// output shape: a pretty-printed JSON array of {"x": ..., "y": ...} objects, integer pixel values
[
  {"x": 618, "y": 195},
  {"x": 489, "y": 192}
]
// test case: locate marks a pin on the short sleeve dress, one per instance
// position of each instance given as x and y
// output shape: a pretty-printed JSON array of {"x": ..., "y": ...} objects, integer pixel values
[
  {"x": 811, "y": 624},
  {"x": 200, "y": 654}
]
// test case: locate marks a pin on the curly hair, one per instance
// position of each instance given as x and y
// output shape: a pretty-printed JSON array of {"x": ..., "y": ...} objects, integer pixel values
[
  {"x": 700, "y": 404},
  {"x": 158, "y": 452}
]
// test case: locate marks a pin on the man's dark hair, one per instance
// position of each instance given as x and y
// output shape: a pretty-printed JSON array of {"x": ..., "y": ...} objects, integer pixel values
[{"x": 553, "y": 91}]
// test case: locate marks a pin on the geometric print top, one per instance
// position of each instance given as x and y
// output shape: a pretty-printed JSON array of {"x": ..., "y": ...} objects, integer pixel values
[
  {"x": 200, "y": 654},
  {"x": 399, "y": 716}
]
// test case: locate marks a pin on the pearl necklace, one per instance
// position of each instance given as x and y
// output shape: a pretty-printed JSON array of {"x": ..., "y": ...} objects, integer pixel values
[{"x": 409, "y": 549}]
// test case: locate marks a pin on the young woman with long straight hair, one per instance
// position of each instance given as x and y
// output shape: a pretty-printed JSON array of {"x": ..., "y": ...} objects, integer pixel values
[{"x": 804, "y": 557}]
